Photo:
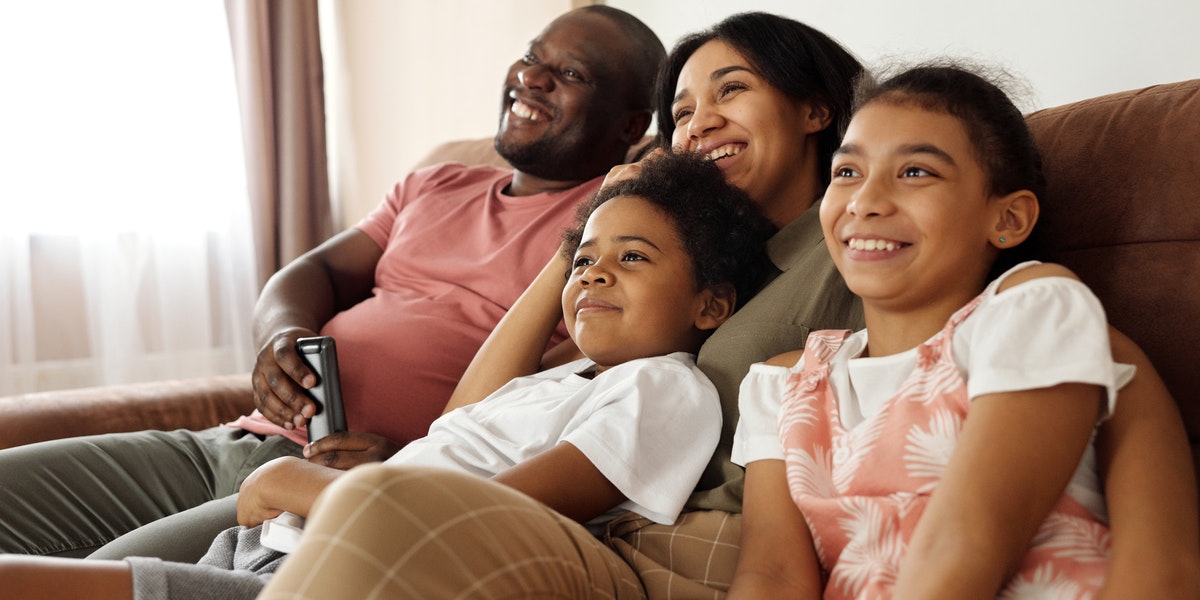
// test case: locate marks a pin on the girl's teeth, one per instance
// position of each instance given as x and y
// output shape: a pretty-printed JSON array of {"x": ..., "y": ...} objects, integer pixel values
[{"x": 872, "y": 245}]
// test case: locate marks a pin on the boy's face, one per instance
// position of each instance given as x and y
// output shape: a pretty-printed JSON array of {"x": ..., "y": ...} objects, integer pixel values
[{"x": 631, "y": 292}]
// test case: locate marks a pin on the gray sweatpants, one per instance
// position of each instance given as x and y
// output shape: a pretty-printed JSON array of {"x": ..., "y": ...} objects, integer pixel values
[
  {"x": 236, "y": 567},
  {"x": 70, "y": 497}
]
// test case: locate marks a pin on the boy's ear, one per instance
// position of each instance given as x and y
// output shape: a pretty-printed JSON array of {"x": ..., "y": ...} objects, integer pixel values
[
  {"x": 718, "y": 304},
  {"x": 1016, "y": 214}
]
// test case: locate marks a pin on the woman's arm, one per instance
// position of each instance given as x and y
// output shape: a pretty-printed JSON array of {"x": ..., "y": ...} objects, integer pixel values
[
  {"x": 1150, "y": 487},
  {"x": 777, "y": 558},
  {"x": 515, "y": 347},
  {"x": 1015, "y": 455}
]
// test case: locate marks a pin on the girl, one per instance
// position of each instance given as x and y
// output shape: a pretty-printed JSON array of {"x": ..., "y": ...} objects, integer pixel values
[
  {"x": 865, "y": 478},
  {"x": 657, "y": 264}
]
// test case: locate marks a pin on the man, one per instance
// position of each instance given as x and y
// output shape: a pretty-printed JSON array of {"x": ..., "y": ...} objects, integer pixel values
[{"x": 409, "y": 294}]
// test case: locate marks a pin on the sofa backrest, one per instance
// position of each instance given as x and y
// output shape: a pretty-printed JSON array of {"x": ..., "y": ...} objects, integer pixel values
[{"x": 1123, "y": 211}]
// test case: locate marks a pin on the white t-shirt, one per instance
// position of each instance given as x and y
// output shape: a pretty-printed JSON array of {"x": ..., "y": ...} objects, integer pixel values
[
  {"x": 1037, "y": 334},
  {"x": 649, "y": 425}
]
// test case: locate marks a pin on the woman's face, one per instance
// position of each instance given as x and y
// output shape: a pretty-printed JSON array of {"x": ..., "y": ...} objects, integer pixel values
[{"x": 760, "y": 138}]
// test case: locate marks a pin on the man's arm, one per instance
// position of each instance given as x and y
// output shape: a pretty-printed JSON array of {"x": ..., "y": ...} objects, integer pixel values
[{"x": 296, "y": 302}]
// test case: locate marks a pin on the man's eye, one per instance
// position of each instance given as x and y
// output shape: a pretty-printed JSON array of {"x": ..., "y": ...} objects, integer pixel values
[
  {"x": 572, "y": 74},
  {"x": 529, "y": 58}
]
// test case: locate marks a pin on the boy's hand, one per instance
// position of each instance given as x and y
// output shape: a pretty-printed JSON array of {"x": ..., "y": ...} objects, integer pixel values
[
  {"x": 280, "y": 378},
  {"x": 349, "y": 449},
  {"x": 254, "y": 503}
]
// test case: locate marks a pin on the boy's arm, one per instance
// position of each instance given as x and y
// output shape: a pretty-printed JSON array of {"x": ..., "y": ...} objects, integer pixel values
[
  {"x": 1014, "y": 458},
  {"x": 1150, "y": 487},
  {"x": 515, "y": 346},
  {"x": 284, "y": 484},
  {"x": 777, "y": 558},
  {"x": 564, "y": 479}
]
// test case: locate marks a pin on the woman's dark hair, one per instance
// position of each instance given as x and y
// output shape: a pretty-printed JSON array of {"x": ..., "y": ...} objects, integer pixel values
[
  {"x": 722, "y": 231},
  {"x": 803, "y": 63},
  {"x": 999, "y": 136}
]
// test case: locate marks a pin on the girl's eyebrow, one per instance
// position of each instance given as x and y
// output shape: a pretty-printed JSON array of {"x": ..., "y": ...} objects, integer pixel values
[
  {"x": 715, "y": 76},
  {"x": 905, "y": 150}
]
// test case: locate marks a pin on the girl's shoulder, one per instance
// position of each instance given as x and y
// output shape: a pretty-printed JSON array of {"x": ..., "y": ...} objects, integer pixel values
[{"x": 1030, "y": 271}]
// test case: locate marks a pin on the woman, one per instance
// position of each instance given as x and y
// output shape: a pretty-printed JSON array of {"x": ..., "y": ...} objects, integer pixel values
[{"x": 766, "y": 98}]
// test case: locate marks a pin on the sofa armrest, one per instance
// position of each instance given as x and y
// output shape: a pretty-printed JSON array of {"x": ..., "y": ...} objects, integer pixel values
[{"x": 165, "y": 405}]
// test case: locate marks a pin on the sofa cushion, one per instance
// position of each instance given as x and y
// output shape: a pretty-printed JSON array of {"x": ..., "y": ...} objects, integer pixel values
[{"x": 1123, "y": 211}]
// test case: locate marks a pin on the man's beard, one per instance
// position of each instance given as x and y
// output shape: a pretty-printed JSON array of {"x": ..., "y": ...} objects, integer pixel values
[{"x": 549, "y": 158}]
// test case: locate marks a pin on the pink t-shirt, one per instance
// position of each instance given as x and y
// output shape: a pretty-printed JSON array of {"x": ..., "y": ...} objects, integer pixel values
[{"x": 457, "y": 254}]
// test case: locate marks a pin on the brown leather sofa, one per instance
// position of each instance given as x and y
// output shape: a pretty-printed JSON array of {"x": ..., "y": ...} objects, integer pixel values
[{"x": 1123, "y": 211}]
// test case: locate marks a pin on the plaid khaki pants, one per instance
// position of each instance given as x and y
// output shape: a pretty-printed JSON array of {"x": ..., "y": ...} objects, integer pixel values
[{"x": 386, "y": 531}]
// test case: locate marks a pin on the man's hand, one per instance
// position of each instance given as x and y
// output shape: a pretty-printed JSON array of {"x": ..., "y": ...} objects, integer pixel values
[
  {"x": 350, "y": 449},
  {"x": 280, "y": 378}
]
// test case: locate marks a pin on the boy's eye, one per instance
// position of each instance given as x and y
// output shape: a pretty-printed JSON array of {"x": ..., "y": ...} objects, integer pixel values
[
  {"x": 631, "y": 256},
  {"x": 844, "y": 172},
  {"x": 915, "y": 172},
  {"x": 581, "y": 261}
]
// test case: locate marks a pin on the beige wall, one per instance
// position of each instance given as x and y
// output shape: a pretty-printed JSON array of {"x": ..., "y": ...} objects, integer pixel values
[{"x": 404, "y": 75}]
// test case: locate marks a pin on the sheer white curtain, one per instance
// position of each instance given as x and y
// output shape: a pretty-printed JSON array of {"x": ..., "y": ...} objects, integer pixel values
[{"x": 125, "y": 249}]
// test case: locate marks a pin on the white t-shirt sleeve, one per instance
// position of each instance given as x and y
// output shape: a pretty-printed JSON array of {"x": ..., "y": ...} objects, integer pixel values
[
  {"x": 654, "y": 425},
  {"x": 1039, "y": 334},
  {"x": 759, "y": 399}
]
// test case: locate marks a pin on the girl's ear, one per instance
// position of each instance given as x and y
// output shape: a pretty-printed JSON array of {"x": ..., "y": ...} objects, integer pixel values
[
  {"x": 718, "y": 304},
  {"x": 1016, "y": 214}
]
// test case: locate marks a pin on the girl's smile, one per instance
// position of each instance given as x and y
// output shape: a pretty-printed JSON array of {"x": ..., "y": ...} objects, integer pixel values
[{"x": 907, "y": 216}]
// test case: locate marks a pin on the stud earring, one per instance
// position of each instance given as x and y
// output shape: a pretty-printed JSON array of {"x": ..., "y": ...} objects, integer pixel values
[{"x": 1002, "y": 240}]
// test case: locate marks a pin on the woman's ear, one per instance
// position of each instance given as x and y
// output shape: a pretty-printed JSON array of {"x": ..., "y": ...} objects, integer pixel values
[
  {"x": 719, "y": 303},
  {"x": 1016, "y": 214},
  {"x": 818, "y": 118}
]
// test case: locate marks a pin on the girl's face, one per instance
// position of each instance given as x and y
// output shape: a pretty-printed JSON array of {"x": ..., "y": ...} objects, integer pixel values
[
  {"x": 632, "y": 290},
  {"x": 907, "y": 216},
  {"x": 754, "y": 132}
]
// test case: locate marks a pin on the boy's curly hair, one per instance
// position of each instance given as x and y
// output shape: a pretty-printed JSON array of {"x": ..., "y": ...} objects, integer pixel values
[{"x": 722, "y": 231}]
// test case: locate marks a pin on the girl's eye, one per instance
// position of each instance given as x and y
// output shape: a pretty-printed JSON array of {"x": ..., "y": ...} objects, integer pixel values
[
  {"x": 581, "y": 261},
  {"x": 915, "y": 172},
  {"x": 844, "y": 172},
  {"x": 631, "y": 256}
]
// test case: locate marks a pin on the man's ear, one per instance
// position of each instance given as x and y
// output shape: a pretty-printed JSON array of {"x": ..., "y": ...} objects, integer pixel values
[
  {"x": 637, "y": 121},
  {"x": 1016, "y": 214},
  {"x": 719, "y": 303}
]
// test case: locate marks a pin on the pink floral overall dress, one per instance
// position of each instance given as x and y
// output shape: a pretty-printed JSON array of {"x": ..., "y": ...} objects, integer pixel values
[{"x": 862, "y": 491}]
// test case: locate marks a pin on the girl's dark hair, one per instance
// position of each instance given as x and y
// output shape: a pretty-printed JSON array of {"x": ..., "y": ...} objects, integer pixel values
[
  {"x": 803, "y": 63},
  {"x": 722, "y": 231},
  {"x": 999, "y": 136}
]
